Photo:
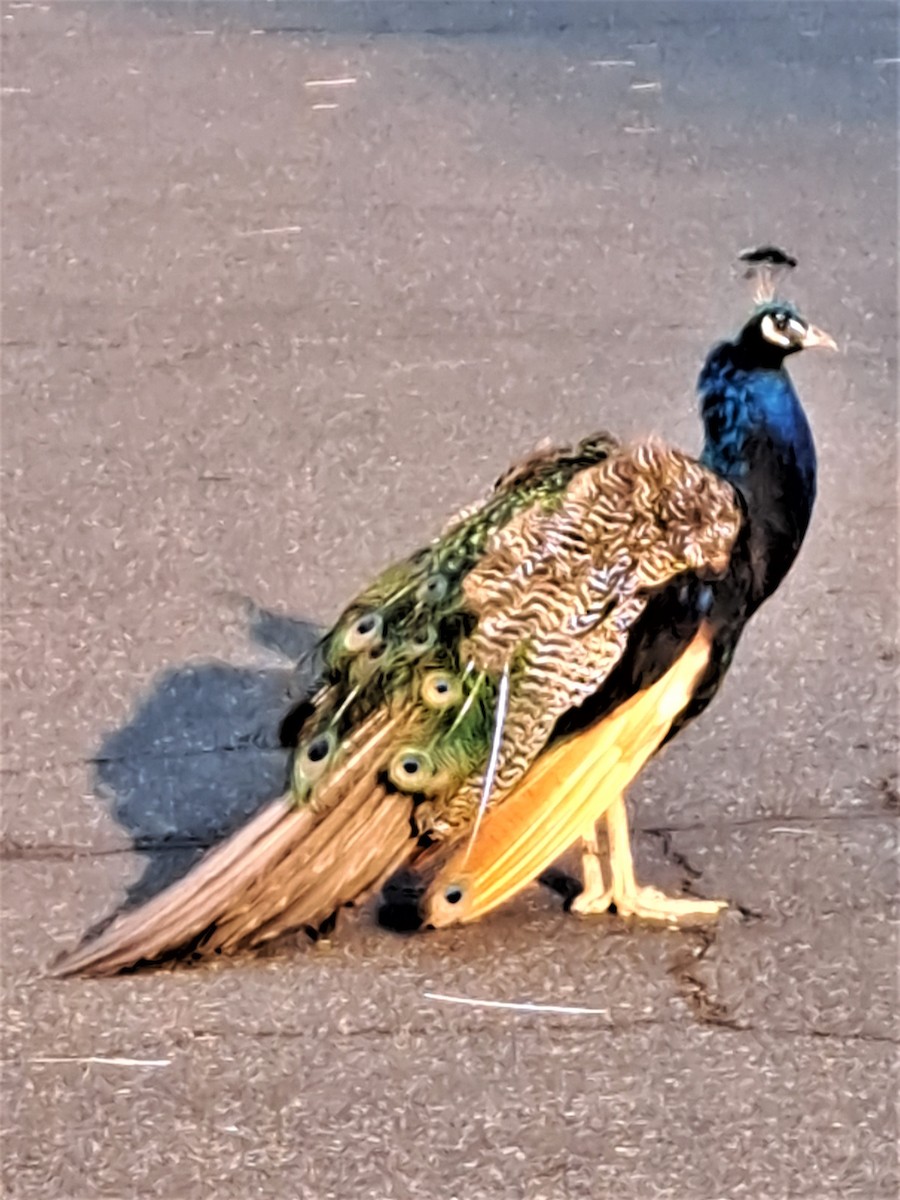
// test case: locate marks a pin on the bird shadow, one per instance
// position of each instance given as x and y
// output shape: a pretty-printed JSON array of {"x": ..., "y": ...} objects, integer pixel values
[
  {"x": 206, "y": 747},
  {"x": 203, "y": 750}
]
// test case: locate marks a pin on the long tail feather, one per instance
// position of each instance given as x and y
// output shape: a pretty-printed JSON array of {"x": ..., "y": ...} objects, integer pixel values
[
  {"x": 182, "y": 912},
  {"x": 289, "y": 867},
  {"x": 567, "y": 790},
  {"x": 345, "y": 854}
]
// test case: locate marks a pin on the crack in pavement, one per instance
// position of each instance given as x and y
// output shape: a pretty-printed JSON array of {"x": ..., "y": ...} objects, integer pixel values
[
  {"x": 775, "y": 820},
  {"x": 692, "y": 988},
  {"x": 709, "y": 1011},
  {"x": 13, "y": 849},
  {"x": 669, "y": 852},
  {"x": 182, "y": 1040},
  {"x": 692, "y": 873}
]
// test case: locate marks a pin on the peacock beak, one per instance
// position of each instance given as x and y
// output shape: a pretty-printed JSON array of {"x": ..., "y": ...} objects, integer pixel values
[{"x": 818, "y": 337}]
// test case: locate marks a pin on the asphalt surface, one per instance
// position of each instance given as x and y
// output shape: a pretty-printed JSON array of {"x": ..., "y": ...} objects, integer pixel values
[{"x": 260, "y": 337}]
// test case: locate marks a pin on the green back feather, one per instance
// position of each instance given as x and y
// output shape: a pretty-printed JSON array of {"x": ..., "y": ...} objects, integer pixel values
[{"x": 399, "y": 647}]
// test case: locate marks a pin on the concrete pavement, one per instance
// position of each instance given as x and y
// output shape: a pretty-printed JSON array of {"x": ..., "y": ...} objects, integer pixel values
[{"x": 259, "y": 337}]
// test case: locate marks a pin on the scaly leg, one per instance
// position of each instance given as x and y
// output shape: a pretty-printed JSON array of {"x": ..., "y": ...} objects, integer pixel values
[
  {"x": 594, "y": 897},
  {"x": 646, "y": 902}
]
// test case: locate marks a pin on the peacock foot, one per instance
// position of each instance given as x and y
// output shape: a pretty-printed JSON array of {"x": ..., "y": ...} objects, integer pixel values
[
  {"x": 650, "y": 904},
  {"x": 630, "y": 899},
  {"x": 595, "y": 896}
]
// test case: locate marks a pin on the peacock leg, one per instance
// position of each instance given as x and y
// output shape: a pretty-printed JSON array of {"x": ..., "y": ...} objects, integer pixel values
[
  {"x": 632, "y": 900},
  {"x": 595, "y": 897}
]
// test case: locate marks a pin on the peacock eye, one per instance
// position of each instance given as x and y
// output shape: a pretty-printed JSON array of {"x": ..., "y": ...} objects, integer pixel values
[
  {"x": 781, "y": 321},
  {"x": 366, "y": 633},
  {"x": 318, "y": 749},
  {"x": 441, "y": 690},
  {"x": 411, "y": 770},
  {"x": 312, "y": 760},
  {"x": 433, "y": 589}
]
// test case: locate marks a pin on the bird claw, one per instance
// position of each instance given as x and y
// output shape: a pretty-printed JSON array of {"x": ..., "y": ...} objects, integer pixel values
[
  {"x": 595, "y": 897},
  {"x": 591, "y": 904},
  {"x": 647, "y": 904},
  {"x": 650, "y": 904},
  {"x": 628, "y": 896}
]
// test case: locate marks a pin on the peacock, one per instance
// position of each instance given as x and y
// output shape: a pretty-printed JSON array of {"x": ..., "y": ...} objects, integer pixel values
[{"x": 485, "y": 703}]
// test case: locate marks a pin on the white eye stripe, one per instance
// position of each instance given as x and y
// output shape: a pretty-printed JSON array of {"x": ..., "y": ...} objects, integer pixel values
[
  {"x": 772, "y": 334},
  {"x": 797, "y": 327}
]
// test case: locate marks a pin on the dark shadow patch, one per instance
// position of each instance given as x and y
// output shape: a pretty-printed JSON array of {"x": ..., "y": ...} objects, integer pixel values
[
  {"x": 400, "y": 908},
  {"x": 201, "y": 752},
  {"x": 291, "y": 637},
  {"x": 563, "y": 883}
]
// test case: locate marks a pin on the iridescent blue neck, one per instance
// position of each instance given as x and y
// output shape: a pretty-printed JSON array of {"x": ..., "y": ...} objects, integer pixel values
[{"x": 758, "y": 438}]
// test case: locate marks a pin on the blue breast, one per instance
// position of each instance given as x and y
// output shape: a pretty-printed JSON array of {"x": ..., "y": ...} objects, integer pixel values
[
  {"x": 758, "y": 438},
  {"x": 754, "y": 422}
]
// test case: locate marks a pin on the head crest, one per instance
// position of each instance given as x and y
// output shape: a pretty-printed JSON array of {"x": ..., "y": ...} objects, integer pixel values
[{"x": 765, "y": 265}]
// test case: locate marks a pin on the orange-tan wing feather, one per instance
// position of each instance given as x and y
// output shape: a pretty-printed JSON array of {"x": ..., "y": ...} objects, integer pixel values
[
  {"x": 562, "y": 585},
  {"x": 558, "y": 596},
  {"x": 566, "y": 791}
]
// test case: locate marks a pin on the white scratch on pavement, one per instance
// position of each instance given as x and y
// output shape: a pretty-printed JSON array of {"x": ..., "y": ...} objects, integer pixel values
[
  {"x": 317, "y": 83},
  {"x": 523, "y": 1007},
  {"x": 275, "y": 229},
  {"x": 107, "y": 1062}
]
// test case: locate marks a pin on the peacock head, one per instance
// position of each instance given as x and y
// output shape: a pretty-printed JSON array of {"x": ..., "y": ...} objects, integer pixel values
[{"x": 775, "y": 330}]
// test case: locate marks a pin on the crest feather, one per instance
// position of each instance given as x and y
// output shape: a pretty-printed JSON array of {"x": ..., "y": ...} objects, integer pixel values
[{"x": 765, "y": 265}]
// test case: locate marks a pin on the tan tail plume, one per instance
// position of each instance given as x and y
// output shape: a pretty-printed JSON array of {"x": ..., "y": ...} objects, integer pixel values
[{"x": 287, "y": 868}]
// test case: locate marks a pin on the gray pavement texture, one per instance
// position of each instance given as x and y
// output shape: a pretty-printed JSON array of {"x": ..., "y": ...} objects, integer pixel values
[{"x": 262, "y": 336}]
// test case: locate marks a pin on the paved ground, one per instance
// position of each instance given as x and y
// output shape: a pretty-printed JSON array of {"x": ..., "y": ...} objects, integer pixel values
[{"x": 259, "y": 337}]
